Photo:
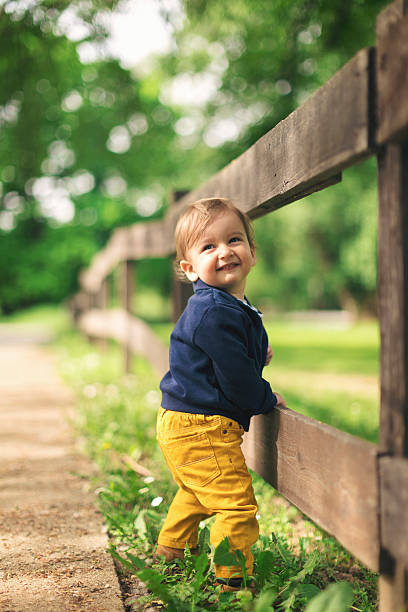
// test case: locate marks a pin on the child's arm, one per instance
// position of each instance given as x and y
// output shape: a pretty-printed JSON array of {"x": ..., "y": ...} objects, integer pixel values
[
  {"x": 223, "y": 337},
  {"x": 281, "y": 402}
]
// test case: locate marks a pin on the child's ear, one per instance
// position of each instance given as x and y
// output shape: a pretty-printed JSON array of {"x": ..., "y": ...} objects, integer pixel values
[
  {"x": 188, "y": 270},
  {"x": 253, "y": 253}
]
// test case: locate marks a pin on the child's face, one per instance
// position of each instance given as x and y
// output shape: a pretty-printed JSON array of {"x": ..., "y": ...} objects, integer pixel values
[{"x": 222, "y": 257}]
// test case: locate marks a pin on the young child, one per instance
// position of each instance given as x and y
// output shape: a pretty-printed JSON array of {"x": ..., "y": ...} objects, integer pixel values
[{"x": 218, "y": 349}]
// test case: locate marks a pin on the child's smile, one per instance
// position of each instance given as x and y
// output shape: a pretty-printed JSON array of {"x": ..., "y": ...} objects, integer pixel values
[
  {"x": 222, "y": 256},
  {"x": 227, "y": 267}
]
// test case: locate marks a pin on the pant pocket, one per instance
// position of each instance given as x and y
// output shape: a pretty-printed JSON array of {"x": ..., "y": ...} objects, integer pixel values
[{"x": 193, "y": 459}]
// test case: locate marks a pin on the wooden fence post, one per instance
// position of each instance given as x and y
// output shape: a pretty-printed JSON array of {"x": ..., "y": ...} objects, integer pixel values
[
  {"x": 303, "y": 153},
  {"x": 93, "y": 303},
  {"x": 126, "y": 294},
  {"x": 393, "y": 298},
  {"x": 181, "y": 291},
  {"x": 393, "y": 317},
  {"x": 102, "y": 298}
]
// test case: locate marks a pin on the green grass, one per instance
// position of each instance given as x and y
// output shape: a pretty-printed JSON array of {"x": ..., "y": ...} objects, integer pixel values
[
  {"x": 318, "y": 354},
  {"x": 49, "y": 318},
  {"x": 317, "y": 348},
  {"x": 328, "y": 374},
  {"x": 115, "y": 417}
]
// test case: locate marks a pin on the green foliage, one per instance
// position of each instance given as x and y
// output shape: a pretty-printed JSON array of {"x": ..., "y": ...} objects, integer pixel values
[
  {"x": 63, "y": 186},
  {"x": 115, "y": 418},
  {"x": 40, "y": 264},
  {"x": 336, "y": 598},
  {"x": 324, "y": 370},
  {"x": 58, "y": 116},
  {"x": 321, "y": 252}
]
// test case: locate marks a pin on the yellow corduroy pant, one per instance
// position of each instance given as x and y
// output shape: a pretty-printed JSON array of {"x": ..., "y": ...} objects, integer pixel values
[{"x": 205, "y": 458}]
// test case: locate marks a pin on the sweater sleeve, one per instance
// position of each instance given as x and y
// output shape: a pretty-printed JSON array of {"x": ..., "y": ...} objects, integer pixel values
[{"x": 222, "y": 336}]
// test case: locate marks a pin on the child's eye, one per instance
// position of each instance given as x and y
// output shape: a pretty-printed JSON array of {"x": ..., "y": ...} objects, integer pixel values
[
  {"x": 206, "y": 247},
  {"x": 235, "y": 239}
]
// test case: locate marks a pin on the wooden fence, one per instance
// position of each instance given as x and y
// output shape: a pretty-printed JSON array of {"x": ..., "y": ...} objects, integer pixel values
[{"x": 355, "y": 490}]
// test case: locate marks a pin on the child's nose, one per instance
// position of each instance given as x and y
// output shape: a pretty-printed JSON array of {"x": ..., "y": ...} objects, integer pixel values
[{"x": 224, "y": 250}]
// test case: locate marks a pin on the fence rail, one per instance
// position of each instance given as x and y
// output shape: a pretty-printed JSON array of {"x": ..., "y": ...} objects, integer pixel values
[{"x": 355, "y": 490}]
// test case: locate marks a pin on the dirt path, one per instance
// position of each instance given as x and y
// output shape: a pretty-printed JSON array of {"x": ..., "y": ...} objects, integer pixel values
[{"x": 52, "y": 539}]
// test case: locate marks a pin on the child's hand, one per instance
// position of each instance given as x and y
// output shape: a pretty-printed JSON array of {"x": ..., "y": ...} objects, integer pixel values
[
  {"x": 269, "y": 355},
  {"x": 281, "y": 402}
]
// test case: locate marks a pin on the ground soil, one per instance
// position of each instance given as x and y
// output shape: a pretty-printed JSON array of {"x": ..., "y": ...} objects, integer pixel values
[{"x": 53, "y": 543}]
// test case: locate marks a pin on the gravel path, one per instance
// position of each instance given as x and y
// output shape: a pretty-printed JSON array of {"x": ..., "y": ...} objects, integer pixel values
[{"x": 52, "y": 539}]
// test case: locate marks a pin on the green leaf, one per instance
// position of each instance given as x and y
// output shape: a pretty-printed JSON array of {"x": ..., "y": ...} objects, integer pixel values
[
  {"x": 336, "y": 597},
  {"x": 265, "y": 563},
  {"x": 154, "y": 581},
  {"x": 123, "y": 561},
  {"x": 140, "y": 524},
  {"x": 308, "y": 590},
  {"x": 139, "y": 563},
  {"x": 290, "y": 600},
  {"x": 311, "y": 563},
  {"x": 201, "y": 563},
  {"x": 242, "y": 562},
  {"x": 265, "y": 601},
  {"x": 204, "y": 540},
  {"x": 284, "y": 553},
  {"x": 223, "y": 554},
  {"x": 308, "y": 567}
]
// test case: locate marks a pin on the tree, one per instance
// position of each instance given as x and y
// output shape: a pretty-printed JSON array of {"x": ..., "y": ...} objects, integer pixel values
[
  {"x": 82, "y": 147},
  {"x": 268, "y": 58},
  {"x": 88, "y": 146}
]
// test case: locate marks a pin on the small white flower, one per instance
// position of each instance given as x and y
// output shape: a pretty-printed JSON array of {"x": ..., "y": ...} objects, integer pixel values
[
  {"x": 148, "y": 479},
  {"x": 157, "y": 501},
  {"x": 89, "y": 391},
  {"x": 144, "y": 490}
]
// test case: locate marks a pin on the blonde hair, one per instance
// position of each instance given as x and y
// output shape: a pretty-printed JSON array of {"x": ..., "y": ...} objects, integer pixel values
[{"x": 195, "y": 219}]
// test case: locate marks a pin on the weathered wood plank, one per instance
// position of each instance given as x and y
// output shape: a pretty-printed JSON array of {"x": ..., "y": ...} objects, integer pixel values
[
  {"x": 102, "y": 298},
  {"x": 126, "y": 294},
  {"x": 392, "y": 73},
  {"x": 138, "y": 241},
  {"x": 78, "y": 303},
  {"x": 137, "y": 335},
  {"x": 393, "y": 297},
  {"x": 181, "y": 292},
  {"x": 326, "y": 134},
  {"x": 394, "y": 506},
  {"x": 329, "y": 475},
  {"x": 304, "y": 153},
  {"x": 393, "y": 318},
  {"x": 392, "y": 90}
]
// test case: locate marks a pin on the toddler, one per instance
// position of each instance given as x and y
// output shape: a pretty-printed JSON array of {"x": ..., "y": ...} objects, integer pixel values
[{"x": 214, "y": 386}]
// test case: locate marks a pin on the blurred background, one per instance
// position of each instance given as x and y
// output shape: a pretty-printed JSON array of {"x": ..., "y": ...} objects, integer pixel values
[{"x": 106, "y": 107}]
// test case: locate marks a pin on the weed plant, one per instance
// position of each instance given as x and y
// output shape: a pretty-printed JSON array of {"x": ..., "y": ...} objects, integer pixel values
[{"x": 297, "y": 566}]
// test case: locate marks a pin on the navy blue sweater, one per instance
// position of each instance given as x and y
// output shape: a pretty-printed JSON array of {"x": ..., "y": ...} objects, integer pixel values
[{"x": 217, "y": 354}]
